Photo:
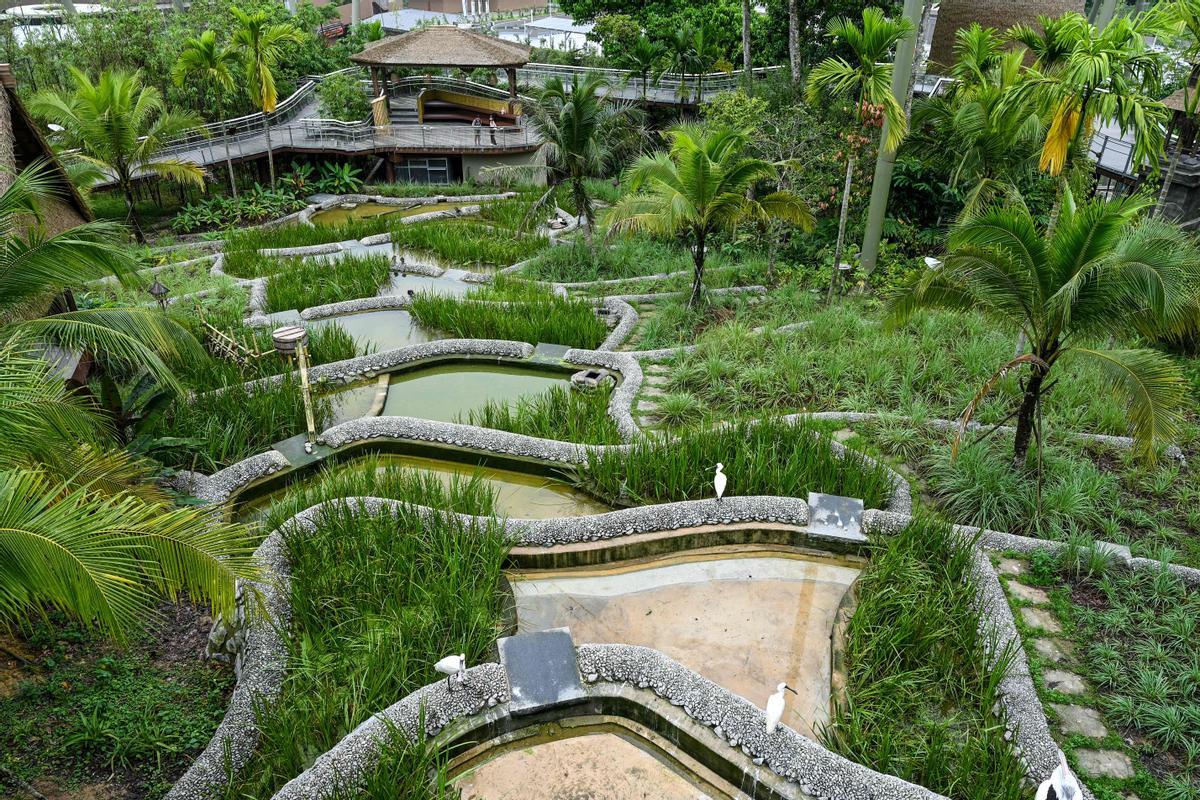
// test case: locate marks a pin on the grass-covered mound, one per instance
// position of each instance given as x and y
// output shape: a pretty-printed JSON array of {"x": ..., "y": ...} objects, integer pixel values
[
  {"x": 919, "y": 692},
  {"x": 559, "y": 413},
  {"x": 314, "y": 282},
  {"x": 770, "y": 458}
]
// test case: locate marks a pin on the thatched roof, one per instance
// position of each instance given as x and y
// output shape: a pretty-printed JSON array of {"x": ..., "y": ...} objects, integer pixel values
[
  {"x": 1174, "y": 101},
  {"x": 21, "y": 144},
  {"x": 998, "y": 14},
  {"x": 443, "y": 46}
]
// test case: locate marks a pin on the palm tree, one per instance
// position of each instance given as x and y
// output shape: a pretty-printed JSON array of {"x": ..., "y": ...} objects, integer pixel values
[
  {"x": 868, "y": 83},
  {"x": 746, "y": 59},
  {"x": 1183, "y": 16},
  {"x": 579, "y": 139},
  {"x": 204, "y": 60},
  {"x": 120, "y": 126},
  {"x": 995, "y": 142},
  {"x": 1101, "y": 273},
  {"x": 1083, "y": 74},
  {"x": 85, "y": 532},
  {"x": 644, "y": 58},
  {"x": 260, "y": 45},
  {"x": 699, "y": 187}
]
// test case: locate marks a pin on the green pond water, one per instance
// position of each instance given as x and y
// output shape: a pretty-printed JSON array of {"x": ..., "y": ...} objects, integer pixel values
[
  {"x": 382, "y": 330},
  {"x": 447, "y": 393},
  {"x": 519, "y": 495},
  {"x": 339, "y": 215}
]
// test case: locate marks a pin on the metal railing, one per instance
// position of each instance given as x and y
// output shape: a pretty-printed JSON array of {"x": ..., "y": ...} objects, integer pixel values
[
  {"x": 1113, "y": 154},
  {"x": 670, "y": 87},
  {"x": 408, "y": 85}
]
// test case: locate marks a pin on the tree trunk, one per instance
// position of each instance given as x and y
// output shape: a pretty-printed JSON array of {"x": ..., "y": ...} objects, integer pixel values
[
  {"x": 746, "y": 37},
  {"x": 794, "y": 39},
  {"x": 698, "y": 279},
  {"x": 584, "y": 207},
  {"x": 841, "y": 237},
  {"x": 1168, "y": 180},
  {"x": 131, "y": 209},
  {"x": 270, "y": 154},
  {"x": 1026, "y": 417}
]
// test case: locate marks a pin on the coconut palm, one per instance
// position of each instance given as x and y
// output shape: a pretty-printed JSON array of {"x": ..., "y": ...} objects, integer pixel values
[
  {"x": 581, "y": 135},
  {"x": 1101, "y": 273},
  {"x": 1183, "y": 17},
  {"x": 644, "y": 58},
  {"x": 867, "y": 82},
  {"x": 203, "y": 59},
  {"x": 83, "y": 530},
  {"x": 701, "y": 186},
  {"x": 260, "y": 45},
  {"x": 121, "y": 126}
]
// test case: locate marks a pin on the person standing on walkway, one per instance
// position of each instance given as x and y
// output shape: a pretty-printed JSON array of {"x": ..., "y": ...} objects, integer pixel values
[
  {"x": 492, "y": 127},
  {"x": 477, "y": 124}
]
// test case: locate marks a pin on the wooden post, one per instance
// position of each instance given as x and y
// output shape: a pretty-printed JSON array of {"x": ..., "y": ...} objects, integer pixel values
[{"x": 512, "y": 81}]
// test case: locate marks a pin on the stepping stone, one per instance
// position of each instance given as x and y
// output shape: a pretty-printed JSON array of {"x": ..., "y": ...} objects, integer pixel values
[
  {"x": 1105, "y": 763},
  {"x": 1060, "y": 680},
  {"x": 1080, "y": 719},
  {"x": 1030, "y": 594},
  {"x": 653, "y": 391},
  {"x": 845, "y": 434},
  {"x": 1056, "y": 650},
  {"x": 656, "y": 380},
  {"x": 542, "y": 670},
  {"x": 1011, "y": 566},
  {"x": 1040, "y": 618}
]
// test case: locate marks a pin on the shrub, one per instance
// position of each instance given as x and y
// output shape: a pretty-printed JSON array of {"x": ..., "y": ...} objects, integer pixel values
[
  {"x": 250, "y": 207},
  {"x": 312, "y": 282},
  {"x": 342, "y": 97}
]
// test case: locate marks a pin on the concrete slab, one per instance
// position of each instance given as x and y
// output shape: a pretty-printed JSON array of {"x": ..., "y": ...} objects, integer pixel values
[
  {"x": 831, "y": 513},
  {"x": 1104, "y": 763},
  {"x": 1080, "y": 719},
  {"x": 1040, "y": 618},
  {"x": 1011, "y": 566},
  {"x": 746, "y": 620},
  {"x": 542, "y": 670},
  {"x": 1030, "y": 594},
  {"x": 1059, "y": 651},
  {"x": 1060, "y": 680}
]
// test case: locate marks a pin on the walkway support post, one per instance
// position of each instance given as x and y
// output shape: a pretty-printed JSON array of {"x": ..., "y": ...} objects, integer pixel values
[{"x": 885, "y": 162}]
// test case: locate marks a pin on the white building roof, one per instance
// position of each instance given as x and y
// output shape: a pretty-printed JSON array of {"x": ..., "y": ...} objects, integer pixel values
[{"x": 408, "y": 19}]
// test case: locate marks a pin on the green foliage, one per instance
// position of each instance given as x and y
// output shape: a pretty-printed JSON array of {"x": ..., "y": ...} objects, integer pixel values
[
  {"x": 339, "y": 179},
  {"x": 314, "y": 282},
  {"x": 920, "y": 684},
  {"x": 735, "y": 109},
  {"x": 617, "y": 34},
  {"x": 624, "y": 258},
  {"x": 376, "y": 601},
  {"x": 467, "y": 242},
  {"x": 342, "y": 97},
  {"x": 769, "y": 458},
  {"x": 405, "y": 769},
  {"x": 559, "y": 413},
  {"x": 250, "y": 207},
  {"x": 531, "y": 315},
  {"x": 85, "y": 710}
]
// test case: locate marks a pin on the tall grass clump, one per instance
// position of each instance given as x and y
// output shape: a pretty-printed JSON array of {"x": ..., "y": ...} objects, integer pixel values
[
  {"x": 377, "y": 476},
  {"x": 559, "y": 413},
  {"x": 315, "y": 282},
  {"x": 538, "y": 316},
  {"x": 462, "y": 241},
  {"x": 211, "y": 430},
  {"x": 624, "y": 258},
  {"x": 920, "y": 686},
  {"x": 769, "y": 458},
  {"x": 376, "y": 600},
  {"x": 405, "y": 770},
  {"x": 305, "y": 235}
]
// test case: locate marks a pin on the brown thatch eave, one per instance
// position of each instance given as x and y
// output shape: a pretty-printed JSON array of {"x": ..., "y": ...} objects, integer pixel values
[{"x": 443, "y": 46}]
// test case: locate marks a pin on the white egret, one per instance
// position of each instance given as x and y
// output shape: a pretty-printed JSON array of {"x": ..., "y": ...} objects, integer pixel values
[
  {"x": 719, "y": 481},
  {"x": 775, "y": 706},
  {"x": 933, "y": 263},
  {"x": 1061, "y": 785},
  {"x": 452, "y": 666}
]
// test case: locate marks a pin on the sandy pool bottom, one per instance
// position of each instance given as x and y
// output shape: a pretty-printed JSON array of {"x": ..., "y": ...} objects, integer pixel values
[
  {"x": 746, "y": 620},
  {"x": 598, "y": 766}
]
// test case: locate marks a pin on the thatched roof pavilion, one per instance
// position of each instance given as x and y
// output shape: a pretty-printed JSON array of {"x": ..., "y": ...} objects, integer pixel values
[
  {"x": 998, "y": 14},
  {"x": 443, "y": 46}
]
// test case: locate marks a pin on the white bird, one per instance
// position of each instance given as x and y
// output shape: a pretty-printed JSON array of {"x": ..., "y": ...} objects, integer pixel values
[
  {"x": 452, "y": 666},
  {"x": 719, "y": 481},
  {"x": 775, "y": 706},
  {"x": 1061, "y": 785},
  {"x": 933, "y": 263}
]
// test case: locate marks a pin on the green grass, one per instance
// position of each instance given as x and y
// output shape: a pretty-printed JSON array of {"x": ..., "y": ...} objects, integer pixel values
[
  {"x": 376, "y": 601},
  {"x": 516, "y": 312},
  {"x": 919, "y": 694},
  {"x": 313, "y": 282},
  {"x": 87, "y": 712},
  {"x": 375, "y": 476},
  {"x": 304, "y": 235},
  {"x": 468, "y": 242},
  {"x": 1136, "y": 637},
  {"x": 405, "y": 770},
  {"x": 621, "y": 258},
  {"x": 559, "y": 413},
  {"x": 771, "y": 458}
]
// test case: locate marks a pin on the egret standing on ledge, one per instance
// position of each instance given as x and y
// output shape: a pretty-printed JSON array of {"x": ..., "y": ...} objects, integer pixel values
[
  {"x": 1061, "y": 785},
  {"x": 452, "y": 666},
  {"x": 775, "y": 707},
  {"x": 719, "y": 481}
]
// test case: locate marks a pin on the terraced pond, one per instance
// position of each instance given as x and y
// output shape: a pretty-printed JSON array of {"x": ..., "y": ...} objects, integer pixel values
[
  {"x": 448, "y": 393},
  {"x": 341, "y": 214}
]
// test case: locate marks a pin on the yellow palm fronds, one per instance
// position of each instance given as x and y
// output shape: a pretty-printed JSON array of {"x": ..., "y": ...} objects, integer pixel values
[{"x": 1063, "y": 127}]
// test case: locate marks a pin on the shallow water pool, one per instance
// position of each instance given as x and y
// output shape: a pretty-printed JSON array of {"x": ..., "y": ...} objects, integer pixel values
[{"x": 447, "y": 393}]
